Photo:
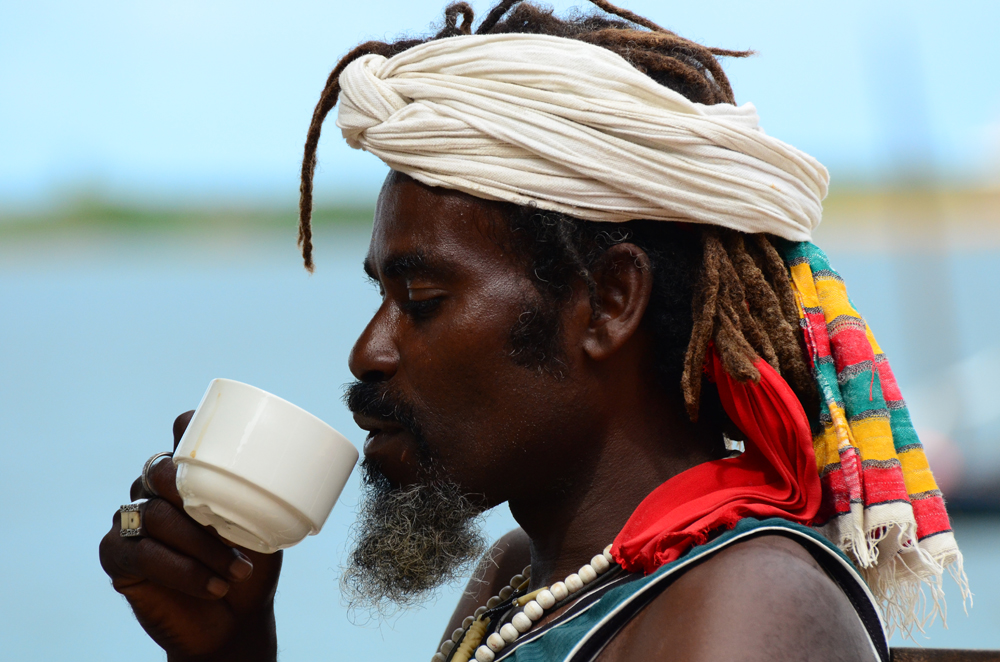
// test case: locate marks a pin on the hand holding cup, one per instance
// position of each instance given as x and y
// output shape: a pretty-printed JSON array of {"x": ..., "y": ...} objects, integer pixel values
[
  {"x": 251, "y": 474},
  {"x": 192, "y": 592}
]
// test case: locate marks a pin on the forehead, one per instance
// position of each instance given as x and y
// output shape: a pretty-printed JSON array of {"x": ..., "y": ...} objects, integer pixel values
[{"x": 431, "y": 224}]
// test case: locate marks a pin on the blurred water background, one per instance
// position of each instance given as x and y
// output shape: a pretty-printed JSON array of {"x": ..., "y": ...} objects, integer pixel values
[{"x": 148, "y": 163}]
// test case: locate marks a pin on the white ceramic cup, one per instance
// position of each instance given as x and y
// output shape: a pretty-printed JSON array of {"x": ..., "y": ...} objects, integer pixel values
[{"x": 261, "y": 471}]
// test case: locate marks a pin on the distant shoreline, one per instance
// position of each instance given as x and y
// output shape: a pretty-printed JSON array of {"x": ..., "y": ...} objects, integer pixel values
[{"x": 903, "y": 218}]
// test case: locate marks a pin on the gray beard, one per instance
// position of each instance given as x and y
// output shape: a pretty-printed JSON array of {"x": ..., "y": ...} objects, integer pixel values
[{"x": 407, "y": 542}]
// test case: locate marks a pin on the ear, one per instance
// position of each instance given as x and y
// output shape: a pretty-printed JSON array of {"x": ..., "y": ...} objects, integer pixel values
[{"x": 624, "y": 283}]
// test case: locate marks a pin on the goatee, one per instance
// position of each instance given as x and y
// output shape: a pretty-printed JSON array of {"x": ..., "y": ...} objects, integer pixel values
[{"x": 407, "y": 542}]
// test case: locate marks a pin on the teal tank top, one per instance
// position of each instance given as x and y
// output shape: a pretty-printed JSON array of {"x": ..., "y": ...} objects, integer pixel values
[{"x": 581, "y": 632}]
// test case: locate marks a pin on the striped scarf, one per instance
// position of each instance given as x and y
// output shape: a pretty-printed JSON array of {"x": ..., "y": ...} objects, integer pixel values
[{"x": 880, "y": 502}]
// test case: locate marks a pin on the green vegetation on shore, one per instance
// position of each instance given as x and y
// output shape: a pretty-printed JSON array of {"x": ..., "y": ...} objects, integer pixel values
[
  {"x": 105, "y": 216},
  {"x": 910, "y": 206}
]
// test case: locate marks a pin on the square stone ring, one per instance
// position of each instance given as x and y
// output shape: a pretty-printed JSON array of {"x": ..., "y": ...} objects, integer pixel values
[{"x": 131, "y": 518}]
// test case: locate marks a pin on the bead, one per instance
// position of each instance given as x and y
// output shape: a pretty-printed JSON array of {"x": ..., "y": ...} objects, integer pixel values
[
  {"x": 607, "y": 554},
  {"x": 521, "y": 622},
  {"x": 438, "y": 657},
  {"x": 516, "y": 581},
  {"x": 469, "y": 620},
  {"x": 533, "y": 610},
  {"x": 479, "y": 612},
  {"x": 574, "y": 583},
  {"x": 505, "y": 592},
  {"x": 559, "y": 591},
  {"x": 587, "y": 574},
  {"x": 600, "y": 564},
  {"x": 545, "y": 599},
  {"x": 457, "y": 635},
  {"x": 528, "y": 597},
  {"x": 509, "y": 632},
  {"x": 493, "y": 602},
  {"x": 447, "y": 646},
  {"x": 527, "y": 571},
  {"x": 495, "y": 642},
  {"x": 484, "y": 654}
]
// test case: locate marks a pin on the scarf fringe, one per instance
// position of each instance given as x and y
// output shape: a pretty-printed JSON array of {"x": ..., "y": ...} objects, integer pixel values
[{"x": 905, "y": 576}]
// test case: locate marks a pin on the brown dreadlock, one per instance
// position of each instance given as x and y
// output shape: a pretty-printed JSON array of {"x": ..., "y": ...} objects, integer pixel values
[{"x": 740, "y": 294}]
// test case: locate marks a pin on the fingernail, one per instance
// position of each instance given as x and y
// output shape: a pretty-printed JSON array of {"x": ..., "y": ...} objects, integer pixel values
[
  {"x": 241, "y": 568},
  {"x": 217, "y": 587}
]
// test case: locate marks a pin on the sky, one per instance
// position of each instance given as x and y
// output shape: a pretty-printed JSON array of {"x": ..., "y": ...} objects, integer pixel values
[{"x": 159, "y": 101}]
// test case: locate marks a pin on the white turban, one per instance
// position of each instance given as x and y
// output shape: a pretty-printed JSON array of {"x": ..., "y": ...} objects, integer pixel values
[{"x": 572, "y": 127}]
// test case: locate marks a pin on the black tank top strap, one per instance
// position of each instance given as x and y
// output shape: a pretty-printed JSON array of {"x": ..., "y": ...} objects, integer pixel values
[{"x": 836, "y": 566}]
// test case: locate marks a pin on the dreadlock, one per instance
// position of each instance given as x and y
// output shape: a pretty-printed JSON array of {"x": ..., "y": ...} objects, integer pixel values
[{"x": 711, "y": 285}]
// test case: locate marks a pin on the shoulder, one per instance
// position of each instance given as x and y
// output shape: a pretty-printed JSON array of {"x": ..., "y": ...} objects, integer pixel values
[
  {"x": 762, "y": 599},
  {"x": 508, "y": 556}
]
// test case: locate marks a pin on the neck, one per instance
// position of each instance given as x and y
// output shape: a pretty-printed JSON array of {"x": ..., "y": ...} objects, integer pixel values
[{"x": 579, "y": 514}]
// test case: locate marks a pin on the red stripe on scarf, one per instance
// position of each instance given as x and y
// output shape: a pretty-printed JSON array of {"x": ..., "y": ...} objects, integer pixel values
[
  {"x": 850, "y": 347},
  {"x": 817, "y": 326},
  {"x": 836, "y": 496},
  {"x": 890, "y": 389},
  {"x": 883, "y": 485},
  {"x": 931, "y": 516},
  {"x": 775, "y": 477}
]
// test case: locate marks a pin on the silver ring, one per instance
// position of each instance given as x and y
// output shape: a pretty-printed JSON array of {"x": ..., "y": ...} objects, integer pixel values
[
  {"x": 131, "y": 519},
  {"x": 145, "y": 471}
]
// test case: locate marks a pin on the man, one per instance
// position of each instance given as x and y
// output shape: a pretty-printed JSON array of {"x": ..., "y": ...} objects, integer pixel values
[{"x": 537, "y": 346}]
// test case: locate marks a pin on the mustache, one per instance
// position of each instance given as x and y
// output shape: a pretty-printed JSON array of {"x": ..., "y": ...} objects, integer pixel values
[{"x": 377, "y": 400}]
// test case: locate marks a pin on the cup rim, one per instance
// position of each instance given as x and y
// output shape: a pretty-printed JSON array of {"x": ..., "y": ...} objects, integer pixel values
[{"x": 278, "y": 398}]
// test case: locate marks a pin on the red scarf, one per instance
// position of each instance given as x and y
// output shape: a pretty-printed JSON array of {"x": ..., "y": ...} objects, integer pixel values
[{"x": 774, "y": 477}]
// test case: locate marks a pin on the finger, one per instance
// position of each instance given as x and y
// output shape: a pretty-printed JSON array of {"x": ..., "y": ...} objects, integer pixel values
[
  {"x": 180, "y": 425},
  {"x": 111, "y": 551},
  {"x": 137, "y": 491},
  {"x": 171, "y": 526},
  {"x": 148, "y": 559},
  {"x": 162, "y": 477}
]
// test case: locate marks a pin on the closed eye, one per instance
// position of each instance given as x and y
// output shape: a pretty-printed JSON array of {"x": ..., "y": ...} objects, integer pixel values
[{"x": 420, "y": 309}]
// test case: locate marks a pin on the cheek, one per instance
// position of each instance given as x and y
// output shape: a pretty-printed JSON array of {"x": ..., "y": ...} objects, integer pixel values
[
  {"x": 461, "y": 357},
  {"x": 475, "y": 400}
]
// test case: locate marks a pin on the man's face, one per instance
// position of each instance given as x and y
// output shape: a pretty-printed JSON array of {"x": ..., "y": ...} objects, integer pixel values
[
  {"x": 440, "y": 346},
  {"x": 458, "y": 419}
]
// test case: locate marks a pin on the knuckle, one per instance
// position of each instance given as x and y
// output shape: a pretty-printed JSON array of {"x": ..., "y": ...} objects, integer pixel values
[
  {"x": 154, "y": 508},
  {"x": 148, "y": 554},
  {"x": 168, "y": 523},
  {"x": 164, "y": 518},
  {"x": 159, "y": 518},
  {"x": 105, "y": 551},
  {"x": 115, "y": 556}
]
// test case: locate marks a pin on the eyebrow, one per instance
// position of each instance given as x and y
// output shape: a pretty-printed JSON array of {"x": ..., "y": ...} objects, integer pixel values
[{"x": 407, "y": 265}]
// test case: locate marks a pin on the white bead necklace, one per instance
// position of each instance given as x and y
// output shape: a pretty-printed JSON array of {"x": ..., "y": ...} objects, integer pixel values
[{"x": 534, "y": 606}]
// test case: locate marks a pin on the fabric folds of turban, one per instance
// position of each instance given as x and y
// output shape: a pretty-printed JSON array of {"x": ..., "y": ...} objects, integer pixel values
[{"x": 574, "y": 128}]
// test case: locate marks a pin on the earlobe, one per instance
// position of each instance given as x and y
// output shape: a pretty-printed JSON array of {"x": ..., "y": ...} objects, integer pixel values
[{"x": 624, "y": 284}]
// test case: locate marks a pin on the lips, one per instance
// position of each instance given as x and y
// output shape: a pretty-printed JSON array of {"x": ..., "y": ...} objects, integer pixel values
[
  {"x": 391, "y": 447},
  {"x": 376, "y": 427}
]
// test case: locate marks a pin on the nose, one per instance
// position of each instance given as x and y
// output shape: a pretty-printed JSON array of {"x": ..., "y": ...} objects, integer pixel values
[{"x": 375, "y": 356}]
